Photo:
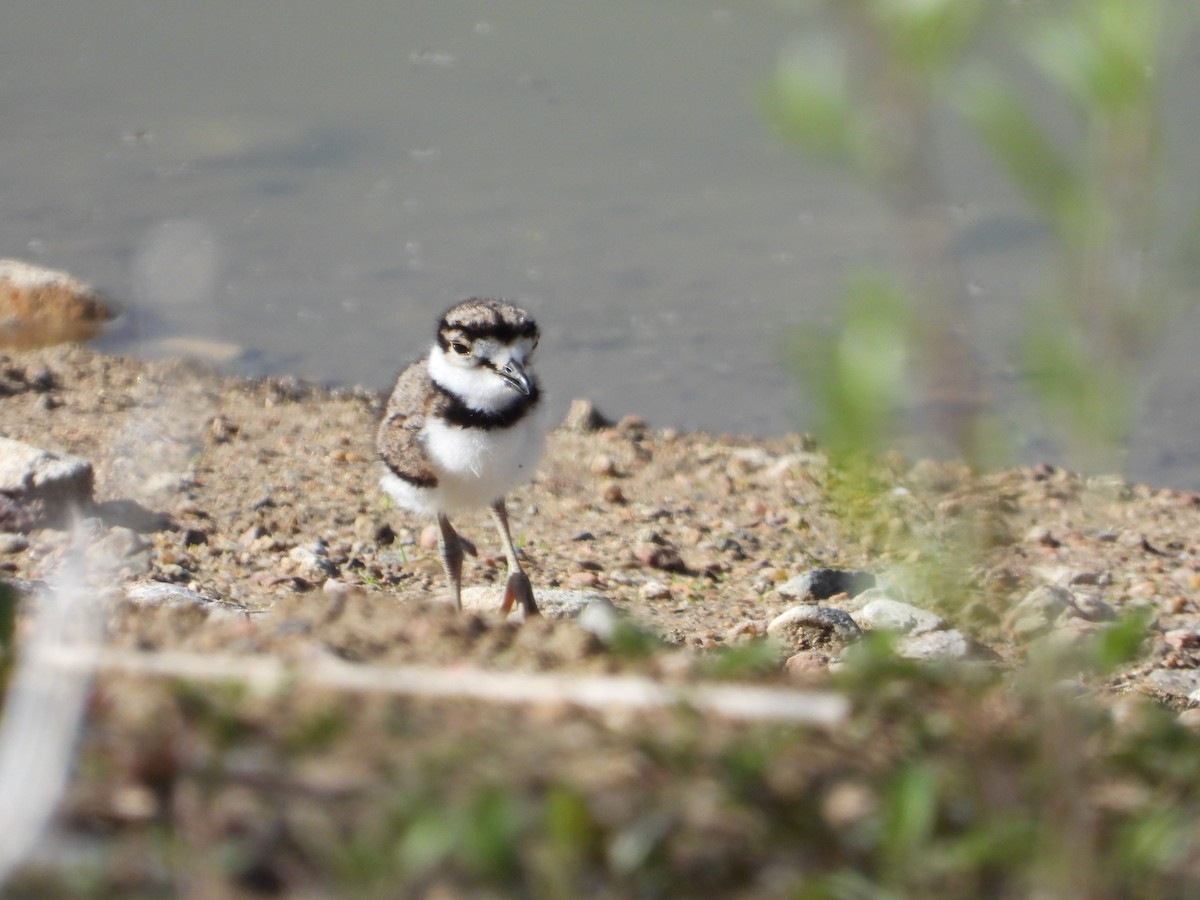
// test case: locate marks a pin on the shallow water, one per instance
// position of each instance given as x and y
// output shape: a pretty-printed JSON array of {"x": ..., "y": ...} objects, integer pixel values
[{"x": 301, "y": 188}]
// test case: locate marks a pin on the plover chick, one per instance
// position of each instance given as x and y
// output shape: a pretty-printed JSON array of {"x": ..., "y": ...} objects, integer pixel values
[{"x": 463, "y": 426}]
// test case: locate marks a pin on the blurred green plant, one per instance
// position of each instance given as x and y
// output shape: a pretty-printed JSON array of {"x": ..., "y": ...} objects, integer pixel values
[{"x": 865, "y": 94}]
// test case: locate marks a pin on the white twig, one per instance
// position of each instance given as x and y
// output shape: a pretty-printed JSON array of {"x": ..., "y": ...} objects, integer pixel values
[{"x": 597, "y": 692}]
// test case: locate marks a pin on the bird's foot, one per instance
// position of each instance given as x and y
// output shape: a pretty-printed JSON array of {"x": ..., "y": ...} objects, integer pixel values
[{"x": 518, "y": 589}]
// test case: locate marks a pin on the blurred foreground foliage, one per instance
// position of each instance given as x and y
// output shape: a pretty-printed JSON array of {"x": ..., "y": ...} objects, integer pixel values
[
  {"x": 1067, "y": 98},
  {"x": 948, "y": 780}
]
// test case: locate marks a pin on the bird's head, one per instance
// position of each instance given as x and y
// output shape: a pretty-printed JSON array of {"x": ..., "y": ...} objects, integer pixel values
[{"x": 484, "y": 353}]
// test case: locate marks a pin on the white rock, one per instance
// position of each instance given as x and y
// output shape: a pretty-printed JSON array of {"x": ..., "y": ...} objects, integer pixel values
[
  {"x": 553, "y": 603},
  {"x": 163, "y": 593},
  {"x": 1176, "y": 682},
  {"x": 41, "y": 306},
  {"x": 57, "y": 479},
  {"x": 892, "y": 615},
  {"x": 949, "y": 644},
  {"x": 1038, "y": 610},
  {"x": 654, "y": 590},
  {"x": 313, "y": 562},
  {"x": 336, "y": 589}
]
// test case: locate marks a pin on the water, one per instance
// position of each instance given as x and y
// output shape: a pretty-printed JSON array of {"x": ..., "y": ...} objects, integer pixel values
[{"x": 305, "y": 186}]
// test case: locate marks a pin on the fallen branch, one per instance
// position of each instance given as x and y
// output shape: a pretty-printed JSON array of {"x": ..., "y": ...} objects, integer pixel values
[{"x": 596, "y": 692}]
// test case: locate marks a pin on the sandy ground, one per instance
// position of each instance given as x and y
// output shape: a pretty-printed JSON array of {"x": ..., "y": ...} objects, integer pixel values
[{"x": 262, "y": 498}]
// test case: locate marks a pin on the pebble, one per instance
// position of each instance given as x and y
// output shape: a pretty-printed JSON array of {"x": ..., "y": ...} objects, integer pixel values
[
  {"x": 430, "y": 536},
  {"x": 654, "y": 590},
  {"x": 40, "y": 306},
  {"x": 822, "y": 583},
  {"x": 1037, "y": 611},
  {"x": 162, "y": 593},
  {"x": 192, "y": 537},
  {"x": 1040, "y": 534},
  {"x": 583, "y": 416},
  {"x": 604, "y": 466},
  {"x": 1182, "y": 639},
  {"x": 251, "y": 535},
  {"x": 612, "y": 493},
  {"x": 337, "y": 589},
  {"x": 30, "y": 474},
  {"x": 1175, "y": 682},
  {"x": 12, "y": 543},
  {"x": 806, "y": 661},
  {"x": 659, "y": 556},
  {"x": 1092, "y": 608},
  {"x": 313, "y": 561},
  {"x": 948, "y": 644},
  {"x": 825, "y": 618},
  {"x": 892, "y": 615},
  {"x": 583, "y": 579}
]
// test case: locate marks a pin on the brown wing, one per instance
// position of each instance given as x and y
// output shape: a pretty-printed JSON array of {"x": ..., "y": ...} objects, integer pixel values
[{"x": 399, "y": 438}]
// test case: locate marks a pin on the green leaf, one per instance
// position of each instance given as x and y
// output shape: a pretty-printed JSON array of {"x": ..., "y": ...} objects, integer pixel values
[
  {"x": 809, "y": 101},
  {"x": 1020, "y": 145}
]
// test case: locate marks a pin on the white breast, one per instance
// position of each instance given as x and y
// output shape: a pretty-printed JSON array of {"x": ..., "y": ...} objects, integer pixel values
[{"x": 475, "y": 466}]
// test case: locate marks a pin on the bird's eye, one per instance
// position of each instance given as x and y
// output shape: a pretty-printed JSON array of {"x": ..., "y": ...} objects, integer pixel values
[{"x": 460, "y": 348}]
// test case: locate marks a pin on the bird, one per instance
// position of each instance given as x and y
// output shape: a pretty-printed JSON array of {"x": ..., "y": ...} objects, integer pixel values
[{"x": 463, "y": 426}]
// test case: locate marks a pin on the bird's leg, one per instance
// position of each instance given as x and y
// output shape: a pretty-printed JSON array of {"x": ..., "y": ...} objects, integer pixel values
[
  {"x": 517, "y": 588},
  {"x": 451, "y": 549}
]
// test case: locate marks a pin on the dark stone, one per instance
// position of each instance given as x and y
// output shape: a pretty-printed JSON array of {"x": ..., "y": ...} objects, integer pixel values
[
  {"x": 821, "y": 584},
  {"x": 193, "y": 536}
]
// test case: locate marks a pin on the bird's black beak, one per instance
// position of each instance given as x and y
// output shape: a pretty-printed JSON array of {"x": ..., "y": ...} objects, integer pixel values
[{"x": 514, "y": 373}]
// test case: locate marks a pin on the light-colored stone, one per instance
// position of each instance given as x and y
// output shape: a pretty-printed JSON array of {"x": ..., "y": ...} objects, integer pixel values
[
  {"x": 585, "y": 417},
  {"x": 806, "y": 661},
  {"x": 1038, "y": 610},
  {"x": 41, "y": 306},
  {"x": 822, "y": 583},
  {"x": 312, "y": 561},
  {"x": 892, "y": 615},
  {"x": 336, "y": 589},
  {"x": 824, "y": 618},
  {"x": 58, "y": 480},
  {"x": 553, "y": 603},
  {"x": 654, "y": 590},
  {"x": 12, "y": 543},
  {"x": 949, "y": 644},
  {"x": 1176, "y": 682},
  {"x": 1092, "y": 608},
  {"x": 162, "y": 593}
]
